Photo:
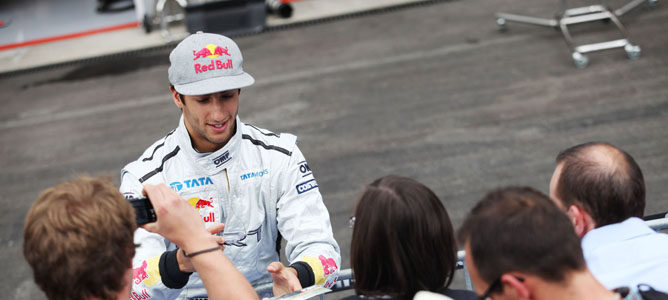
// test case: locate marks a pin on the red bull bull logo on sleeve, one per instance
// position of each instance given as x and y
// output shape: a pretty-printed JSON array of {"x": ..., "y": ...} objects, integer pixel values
[
  {"x": 212, "y": 51},
  {"x": 328, "y": 265},
  {"x": 324, "y": 269}
]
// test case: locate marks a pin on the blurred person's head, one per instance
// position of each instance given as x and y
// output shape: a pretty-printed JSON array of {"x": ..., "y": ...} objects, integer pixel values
[
  {"x": 403, "y": 241},
  {"x": 597, "y": 184},
  {"x": 518, "y": 242},
  {"x": 78, "y": 239}
]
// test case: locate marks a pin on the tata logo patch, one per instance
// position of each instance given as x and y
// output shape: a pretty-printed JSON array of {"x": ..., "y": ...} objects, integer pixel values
[
  {"x": 190, "y": 183},
  {"x": 254, "y": 174},
  {"x": 306, "y": 186},
  {"x": 221, "y": 159}
]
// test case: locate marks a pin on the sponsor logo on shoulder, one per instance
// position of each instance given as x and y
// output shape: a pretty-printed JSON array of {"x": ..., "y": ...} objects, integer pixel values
[
  {"x": 304, "y": 169},
  {"x": 254, "y": 174},
  {"x": 306, "y": 186},
  {"x": 190, "y": 183},
  {"x": 221, "y": 159}
]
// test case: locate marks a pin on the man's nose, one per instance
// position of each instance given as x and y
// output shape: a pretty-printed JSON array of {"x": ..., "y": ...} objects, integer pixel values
[{"x": 218, "y": 109}]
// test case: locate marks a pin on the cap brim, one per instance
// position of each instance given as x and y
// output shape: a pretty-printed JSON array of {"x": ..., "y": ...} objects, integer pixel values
[{"x": 216, "y": 84}]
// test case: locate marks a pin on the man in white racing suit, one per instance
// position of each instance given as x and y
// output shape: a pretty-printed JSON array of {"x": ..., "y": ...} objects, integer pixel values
[{"x": 255, "y": 182}]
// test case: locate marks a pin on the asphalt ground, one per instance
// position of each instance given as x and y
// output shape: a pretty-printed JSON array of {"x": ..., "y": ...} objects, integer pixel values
[{"x": 432, "y": 92}]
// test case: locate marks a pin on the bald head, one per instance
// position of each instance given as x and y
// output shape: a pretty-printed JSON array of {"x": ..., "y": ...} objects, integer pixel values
[{"x": 602, "y": 179}]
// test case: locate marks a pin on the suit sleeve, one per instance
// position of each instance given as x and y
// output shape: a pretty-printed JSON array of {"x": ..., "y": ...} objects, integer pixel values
[
  {"x": 153, "y": 276},
  {"x": 303, "y": 221}
]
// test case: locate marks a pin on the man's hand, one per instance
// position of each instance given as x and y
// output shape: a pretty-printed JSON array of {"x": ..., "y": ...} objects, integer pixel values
[
  {"x": 285, "y": 278},
  {"x": 184, "y": 262}
]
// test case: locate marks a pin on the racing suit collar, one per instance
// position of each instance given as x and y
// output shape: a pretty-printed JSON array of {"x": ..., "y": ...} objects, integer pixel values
[{"x": 212, "y": 162}]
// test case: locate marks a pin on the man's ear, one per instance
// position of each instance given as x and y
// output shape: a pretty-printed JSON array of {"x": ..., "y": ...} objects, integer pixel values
[
  {"x": 176, "y": 97},
  {"x": 582, "y": 221},
  {"x": 515, "y": 287}
]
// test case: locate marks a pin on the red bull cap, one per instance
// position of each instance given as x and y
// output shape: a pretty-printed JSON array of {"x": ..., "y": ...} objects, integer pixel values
[{"x": 205, "y": 63}]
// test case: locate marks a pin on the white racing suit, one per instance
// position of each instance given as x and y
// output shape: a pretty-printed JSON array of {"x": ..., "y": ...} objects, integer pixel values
[{"x": 259, "y": 185}]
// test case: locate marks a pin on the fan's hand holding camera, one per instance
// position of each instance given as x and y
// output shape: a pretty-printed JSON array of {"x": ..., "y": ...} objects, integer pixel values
[{"x": 166, "y": 213}]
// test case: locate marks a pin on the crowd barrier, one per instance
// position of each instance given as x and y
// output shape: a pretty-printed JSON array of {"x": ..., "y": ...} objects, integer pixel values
[{"x": 346, "y": 280}]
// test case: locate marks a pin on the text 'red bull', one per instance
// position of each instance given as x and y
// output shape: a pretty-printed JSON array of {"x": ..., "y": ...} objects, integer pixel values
[
  {"x": 143, "y": 295},
  {"x": 213, "y": 65}
]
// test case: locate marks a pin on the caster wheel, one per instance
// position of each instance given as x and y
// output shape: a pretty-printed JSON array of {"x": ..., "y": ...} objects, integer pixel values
[
  {"x": 501, "y": 22},
  {"x": 580, "y": 60},
  {"x": 632, "y": 51},
  {"x": 651, "y": 3}
]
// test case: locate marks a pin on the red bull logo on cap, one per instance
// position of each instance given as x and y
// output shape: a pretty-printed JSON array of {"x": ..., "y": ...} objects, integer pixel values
[
  {"x": 198, "y": 203},
  {"x": 212, "y": 51}
]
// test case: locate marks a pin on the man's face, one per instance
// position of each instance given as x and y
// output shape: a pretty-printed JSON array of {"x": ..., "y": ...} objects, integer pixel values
[
  {"x": 553, "y": 186},
  {"x": 210, "y": 119}
]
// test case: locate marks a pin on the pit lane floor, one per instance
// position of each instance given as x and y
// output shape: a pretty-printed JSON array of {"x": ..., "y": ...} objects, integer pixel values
[{"x": 432, "y": 92}]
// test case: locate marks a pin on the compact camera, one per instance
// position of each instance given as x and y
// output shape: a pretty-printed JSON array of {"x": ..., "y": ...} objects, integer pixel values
[{"x": 144, "y": 211}]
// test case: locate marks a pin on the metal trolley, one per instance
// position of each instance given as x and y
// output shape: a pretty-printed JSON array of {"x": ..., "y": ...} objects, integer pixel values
[
  {"x": 571, "y": 16},
  {"x": 160, "y": 14}
]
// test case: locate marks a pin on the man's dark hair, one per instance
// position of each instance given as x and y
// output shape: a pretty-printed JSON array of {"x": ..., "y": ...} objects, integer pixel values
[
  {"x": 604, "y": 180},
  {"x": 519, "y": 229},
  {"x": 171, "y": 86},
  {"x": 403, "y": 241}
]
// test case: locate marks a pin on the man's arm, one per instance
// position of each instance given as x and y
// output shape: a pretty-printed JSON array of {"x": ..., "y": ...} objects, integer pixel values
[
  {"x": 303, "y": 221},
  {"x": 178, "y": 222}
]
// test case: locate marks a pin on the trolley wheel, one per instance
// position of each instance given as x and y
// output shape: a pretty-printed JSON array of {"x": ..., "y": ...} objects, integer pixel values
[
  {"x": 651, "y": 3},
  {"x": 147, "y": 23},
  {"x": 632, "y": 51},
  {"x": 501, "y": 22},
  {"x": 581, "y": 61}
]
